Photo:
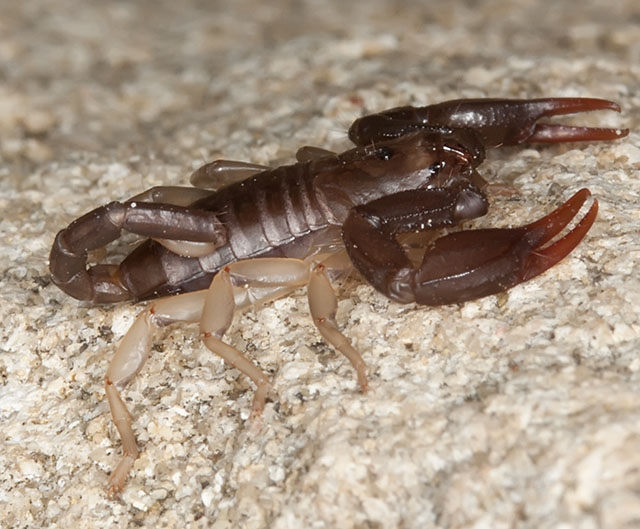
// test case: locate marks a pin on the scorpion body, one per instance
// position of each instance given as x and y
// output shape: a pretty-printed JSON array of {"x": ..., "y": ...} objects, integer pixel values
[
  {"x": 289, "y": 211},
  {"x": 412, "y": 170}
]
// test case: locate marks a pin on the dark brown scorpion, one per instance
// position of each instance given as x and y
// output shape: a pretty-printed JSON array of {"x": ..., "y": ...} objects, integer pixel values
[{"x": 414, "y": 169}]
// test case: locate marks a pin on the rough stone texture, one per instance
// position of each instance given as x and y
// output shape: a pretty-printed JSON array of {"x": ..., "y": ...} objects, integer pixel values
[{"x": 521, "y": 410}]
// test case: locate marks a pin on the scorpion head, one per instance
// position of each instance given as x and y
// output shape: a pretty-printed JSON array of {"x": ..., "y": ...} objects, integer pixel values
[{"x": 421, "y": 160}]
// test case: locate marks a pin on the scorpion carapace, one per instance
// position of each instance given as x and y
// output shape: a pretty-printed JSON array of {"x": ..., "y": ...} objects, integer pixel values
[{"x": 413, "y": 169}]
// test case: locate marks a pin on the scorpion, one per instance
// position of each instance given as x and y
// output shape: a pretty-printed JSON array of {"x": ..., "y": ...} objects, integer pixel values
[{"x": 211, "y": 252}]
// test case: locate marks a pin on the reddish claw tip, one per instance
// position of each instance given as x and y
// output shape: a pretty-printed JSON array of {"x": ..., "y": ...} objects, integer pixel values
[
  {"x": 543, "y": 230},
  {"x": 555, "y": 106},
  {"x": 548, "y": 227}
]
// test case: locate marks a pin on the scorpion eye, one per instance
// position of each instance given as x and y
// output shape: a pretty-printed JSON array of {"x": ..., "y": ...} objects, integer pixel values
[{"x": 384, "y": 153}]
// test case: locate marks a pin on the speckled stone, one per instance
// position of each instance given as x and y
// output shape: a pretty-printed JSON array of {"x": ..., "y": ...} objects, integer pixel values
[{"x": 519, "y": 410}]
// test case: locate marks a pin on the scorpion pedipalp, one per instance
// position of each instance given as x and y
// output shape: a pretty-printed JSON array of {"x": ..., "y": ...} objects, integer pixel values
[
  {"x": 496, "y": 121},
  {"x": 464, "y": 265}
]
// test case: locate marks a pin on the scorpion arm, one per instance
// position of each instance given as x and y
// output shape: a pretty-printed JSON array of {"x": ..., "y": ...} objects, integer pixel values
[
  {"x": 101, "y": 283},
  {"x": 496, "y": 121},
  {"x": 370, "y": 231},
  {"x": 461, "y": 266}
]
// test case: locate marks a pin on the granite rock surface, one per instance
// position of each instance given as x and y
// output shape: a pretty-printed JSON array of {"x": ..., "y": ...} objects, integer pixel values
[{"x": 519, "y": 410}]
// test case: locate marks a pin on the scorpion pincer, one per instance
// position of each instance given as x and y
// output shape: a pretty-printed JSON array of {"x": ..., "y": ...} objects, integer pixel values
[{"x": 215, "y": 252}]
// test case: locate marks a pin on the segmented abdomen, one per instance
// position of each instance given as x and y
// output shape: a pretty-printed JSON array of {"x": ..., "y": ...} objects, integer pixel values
[{"x": 270, "y": 211}]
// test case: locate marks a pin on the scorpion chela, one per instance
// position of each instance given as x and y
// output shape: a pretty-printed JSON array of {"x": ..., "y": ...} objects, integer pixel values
[{"x": 210, "y": 253}]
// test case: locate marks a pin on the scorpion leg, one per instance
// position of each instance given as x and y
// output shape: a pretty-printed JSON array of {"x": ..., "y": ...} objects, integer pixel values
[
  {"x": 236, "y": 287},
  {"x": 281, "y": 275},
  {"x": 134, "y": 349},
  {"x": 129, "y": 359},
  {"x": 496, "y": 121},
  {"x": 220, "y": 306},
  {"x": 220, "y": 173},
  {"x": 188, "y": 248},
  {"x": 463, "y": 265},
  {"x": 102, "y": 283},
  {"x": 323, "y": 306},
  {"x": 309, "y": 153},
  {"x": 176, "y": 195}
]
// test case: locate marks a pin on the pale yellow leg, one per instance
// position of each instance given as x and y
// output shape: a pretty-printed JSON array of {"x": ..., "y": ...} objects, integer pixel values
[
  {"x": 235, "y": 287},
  {"x": 129, "y": 359},
  {"x": 323, "y": 306},
  {"x": 220, "y": 305}
]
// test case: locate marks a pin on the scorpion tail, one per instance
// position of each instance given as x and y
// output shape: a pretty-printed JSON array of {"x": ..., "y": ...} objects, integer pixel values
[{"x": 105, "y": 283}]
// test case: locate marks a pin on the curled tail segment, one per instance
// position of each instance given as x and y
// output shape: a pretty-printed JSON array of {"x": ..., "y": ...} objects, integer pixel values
[{"x": 103, "y": 283}]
